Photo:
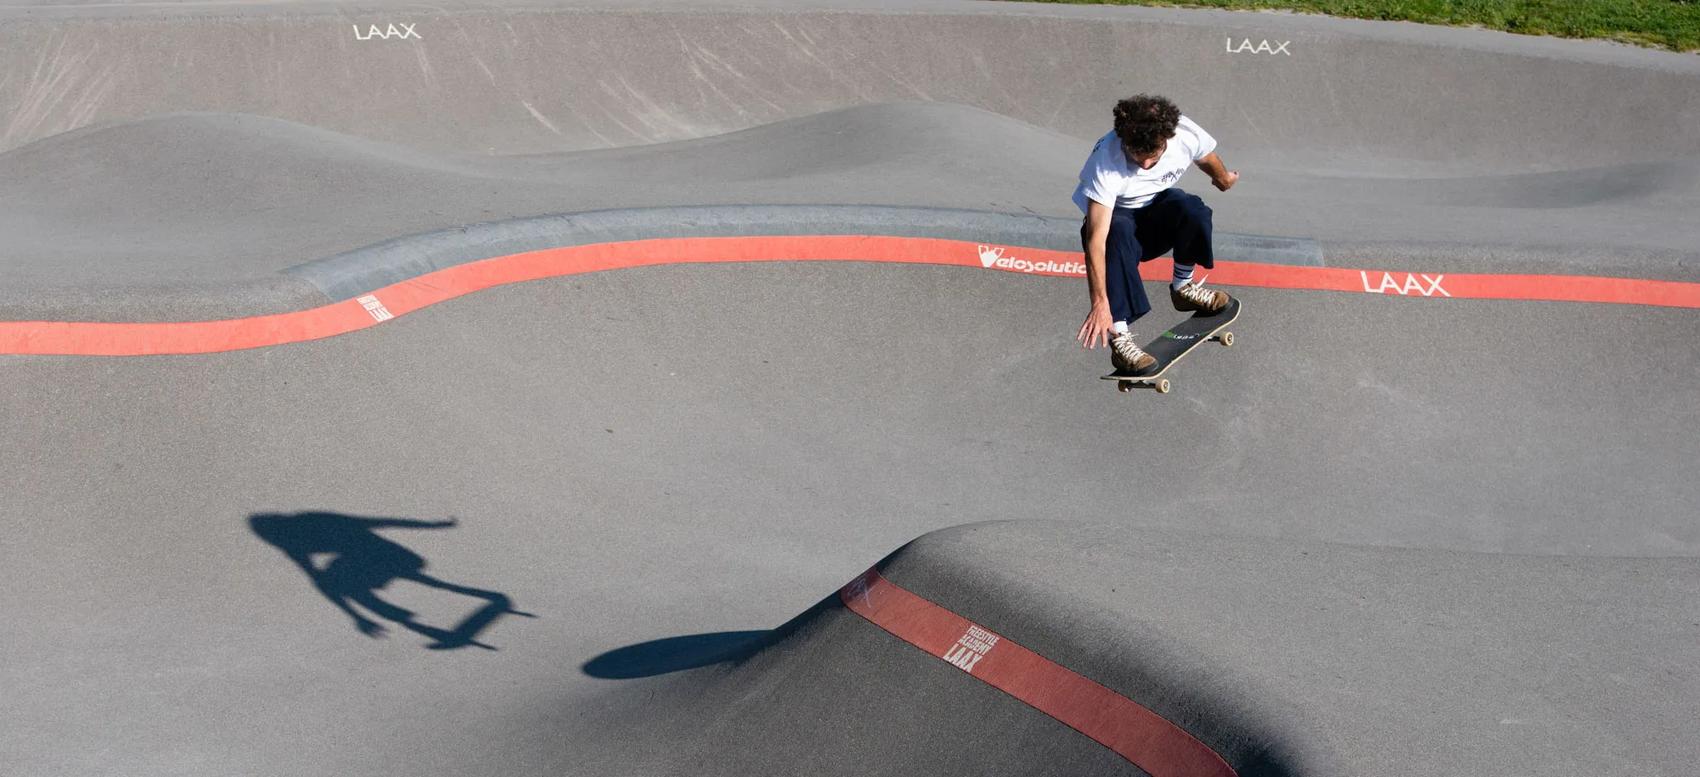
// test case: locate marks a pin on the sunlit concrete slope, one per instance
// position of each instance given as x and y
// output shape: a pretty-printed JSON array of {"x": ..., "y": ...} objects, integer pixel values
[
  {"x": 671, "y": 452},
  {"x": 539, "y": 77},
  {"x": 218, "y": 145}
]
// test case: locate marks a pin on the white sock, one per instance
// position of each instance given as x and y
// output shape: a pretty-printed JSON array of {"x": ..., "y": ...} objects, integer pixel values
[
  {"x": 1183, "y": 275},
  {"x": 1120, "y": 327}
]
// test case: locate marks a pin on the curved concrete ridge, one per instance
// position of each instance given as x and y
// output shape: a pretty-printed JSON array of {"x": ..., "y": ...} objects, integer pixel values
[
  {"x": 941, "y": 694},
  {"x": 193, "y": 200},
  {"x": 202, "y": 212},
  {"x": 363, "y": 270},
  {"x": 416, "y": 292},
  {"x": 1443, "y": 647},
  {"x": 1281, "y": 657}
]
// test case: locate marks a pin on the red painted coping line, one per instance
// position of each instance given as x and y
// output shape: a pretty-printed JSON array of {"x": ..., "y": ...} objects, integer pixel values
[
  {"x": 1141, "y": 736},
  {"x": 139, "y": 339}
]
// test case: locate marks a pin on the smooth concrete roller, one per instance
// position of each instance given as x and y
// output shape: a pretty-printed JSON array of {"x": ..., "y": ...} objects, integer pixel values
[
  {"x": 191, "y": 205},
  {"x": 1266, "y": 650},
  {"x": 595, "y": 524}
]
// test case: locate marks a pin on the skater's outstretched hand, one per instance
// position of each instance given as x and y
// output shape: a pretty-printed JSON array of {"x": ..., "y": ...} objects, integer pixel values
[
  {"x": 1096, "y": 330},
  {"x": 1227, "y": 180}
]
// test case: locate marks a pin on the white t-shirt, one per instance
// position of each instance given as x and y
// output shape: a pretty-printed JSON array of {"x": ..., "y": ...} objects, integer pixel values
[{"x": 1108, "y": 178}]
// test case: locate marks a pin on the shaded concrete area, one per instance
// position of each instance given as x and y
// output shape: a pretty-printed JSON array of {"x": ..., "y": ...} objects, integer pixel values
[
  {"x": 1380, "y": 535},
  {"x": 1519, "y": 664}
]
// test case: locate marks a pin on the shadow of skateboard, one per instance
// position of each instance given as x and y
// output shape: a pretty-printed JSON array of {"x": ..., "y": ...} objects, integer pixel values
[{"x": 466, "y": 632}]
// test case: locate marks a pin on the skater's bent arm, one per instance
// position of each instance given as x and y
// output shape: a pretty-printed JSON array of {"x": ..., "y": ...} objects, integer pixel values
[
  {"x": 1219, "y": 173},
  {"x": 1094, "y": 232}
]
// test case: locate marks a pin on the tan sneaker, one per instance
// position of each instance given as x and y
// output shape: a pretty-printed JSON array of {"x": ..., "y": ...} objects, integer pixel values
[
  {"x": 1193, "y": 297},
  {"x": 1126, "y": 355}
]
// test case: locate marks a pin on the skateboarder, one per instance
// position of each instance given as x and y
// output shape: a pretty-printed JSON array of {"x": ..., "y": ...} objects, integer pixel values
[{"x": 1134, "y": 214}]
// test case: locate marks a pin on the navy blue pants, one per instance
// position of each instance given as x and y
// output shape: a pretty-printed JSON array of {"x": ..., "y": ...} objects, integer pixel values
[{"x": 1173, "y": 220}]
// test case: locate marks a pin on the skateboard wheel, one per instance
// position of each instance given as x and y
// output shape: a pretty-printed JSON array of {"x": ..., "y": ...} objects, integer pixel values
[
  {"x": 1227, "y": 339},
  {"x": 1163, "y": 386}
]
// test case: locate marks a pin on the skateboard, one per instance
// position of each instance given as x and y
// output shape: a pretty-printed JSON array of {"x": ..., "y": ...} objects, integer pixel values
[{"x": 1174, "y": 344}]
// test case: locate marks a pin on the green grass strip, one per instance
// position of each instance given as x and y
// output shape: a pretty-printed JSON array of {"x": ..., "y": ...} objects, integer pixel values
[{"x": 1669, "y": 24}]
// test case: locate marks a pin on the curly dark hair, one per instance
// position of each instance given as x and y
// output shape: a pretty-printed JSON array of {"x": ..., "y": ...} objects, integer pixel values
[{"x": 1143, "y": 122}]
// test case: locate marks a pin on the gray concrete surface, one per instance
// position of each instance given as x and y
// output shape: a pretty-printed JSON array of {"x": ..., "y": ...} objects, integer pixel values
[{"x": 1454, "y": 537}]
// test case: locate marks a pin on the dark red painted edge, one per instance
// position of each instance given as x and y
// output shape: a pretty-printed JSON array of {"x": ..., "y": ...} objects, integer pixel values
[{"x": 1144, "y": 738}]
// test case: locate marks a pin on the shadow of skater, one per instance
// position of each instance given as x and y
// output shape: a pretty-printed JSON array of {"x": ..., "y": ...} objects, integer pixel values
[{"x": 362, "y": 562}]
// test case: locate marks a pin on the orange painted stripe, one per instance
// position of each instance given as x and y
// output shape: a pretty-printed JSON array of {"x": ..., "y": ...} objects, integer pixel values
[
  {"x": 139, "y": 339},
  {"x": 1144, "y": 738}
]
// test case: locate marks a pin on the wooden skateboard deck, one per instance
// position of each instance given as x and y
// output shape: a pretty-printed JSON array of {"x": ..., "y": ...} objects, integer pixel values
[{"x": 1174, "y": 344}]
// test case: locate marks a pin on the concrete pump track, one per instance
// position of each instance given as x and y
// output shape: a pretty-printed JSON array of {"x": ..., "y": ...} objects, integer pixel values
[{"x": 610, "y": 389}]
